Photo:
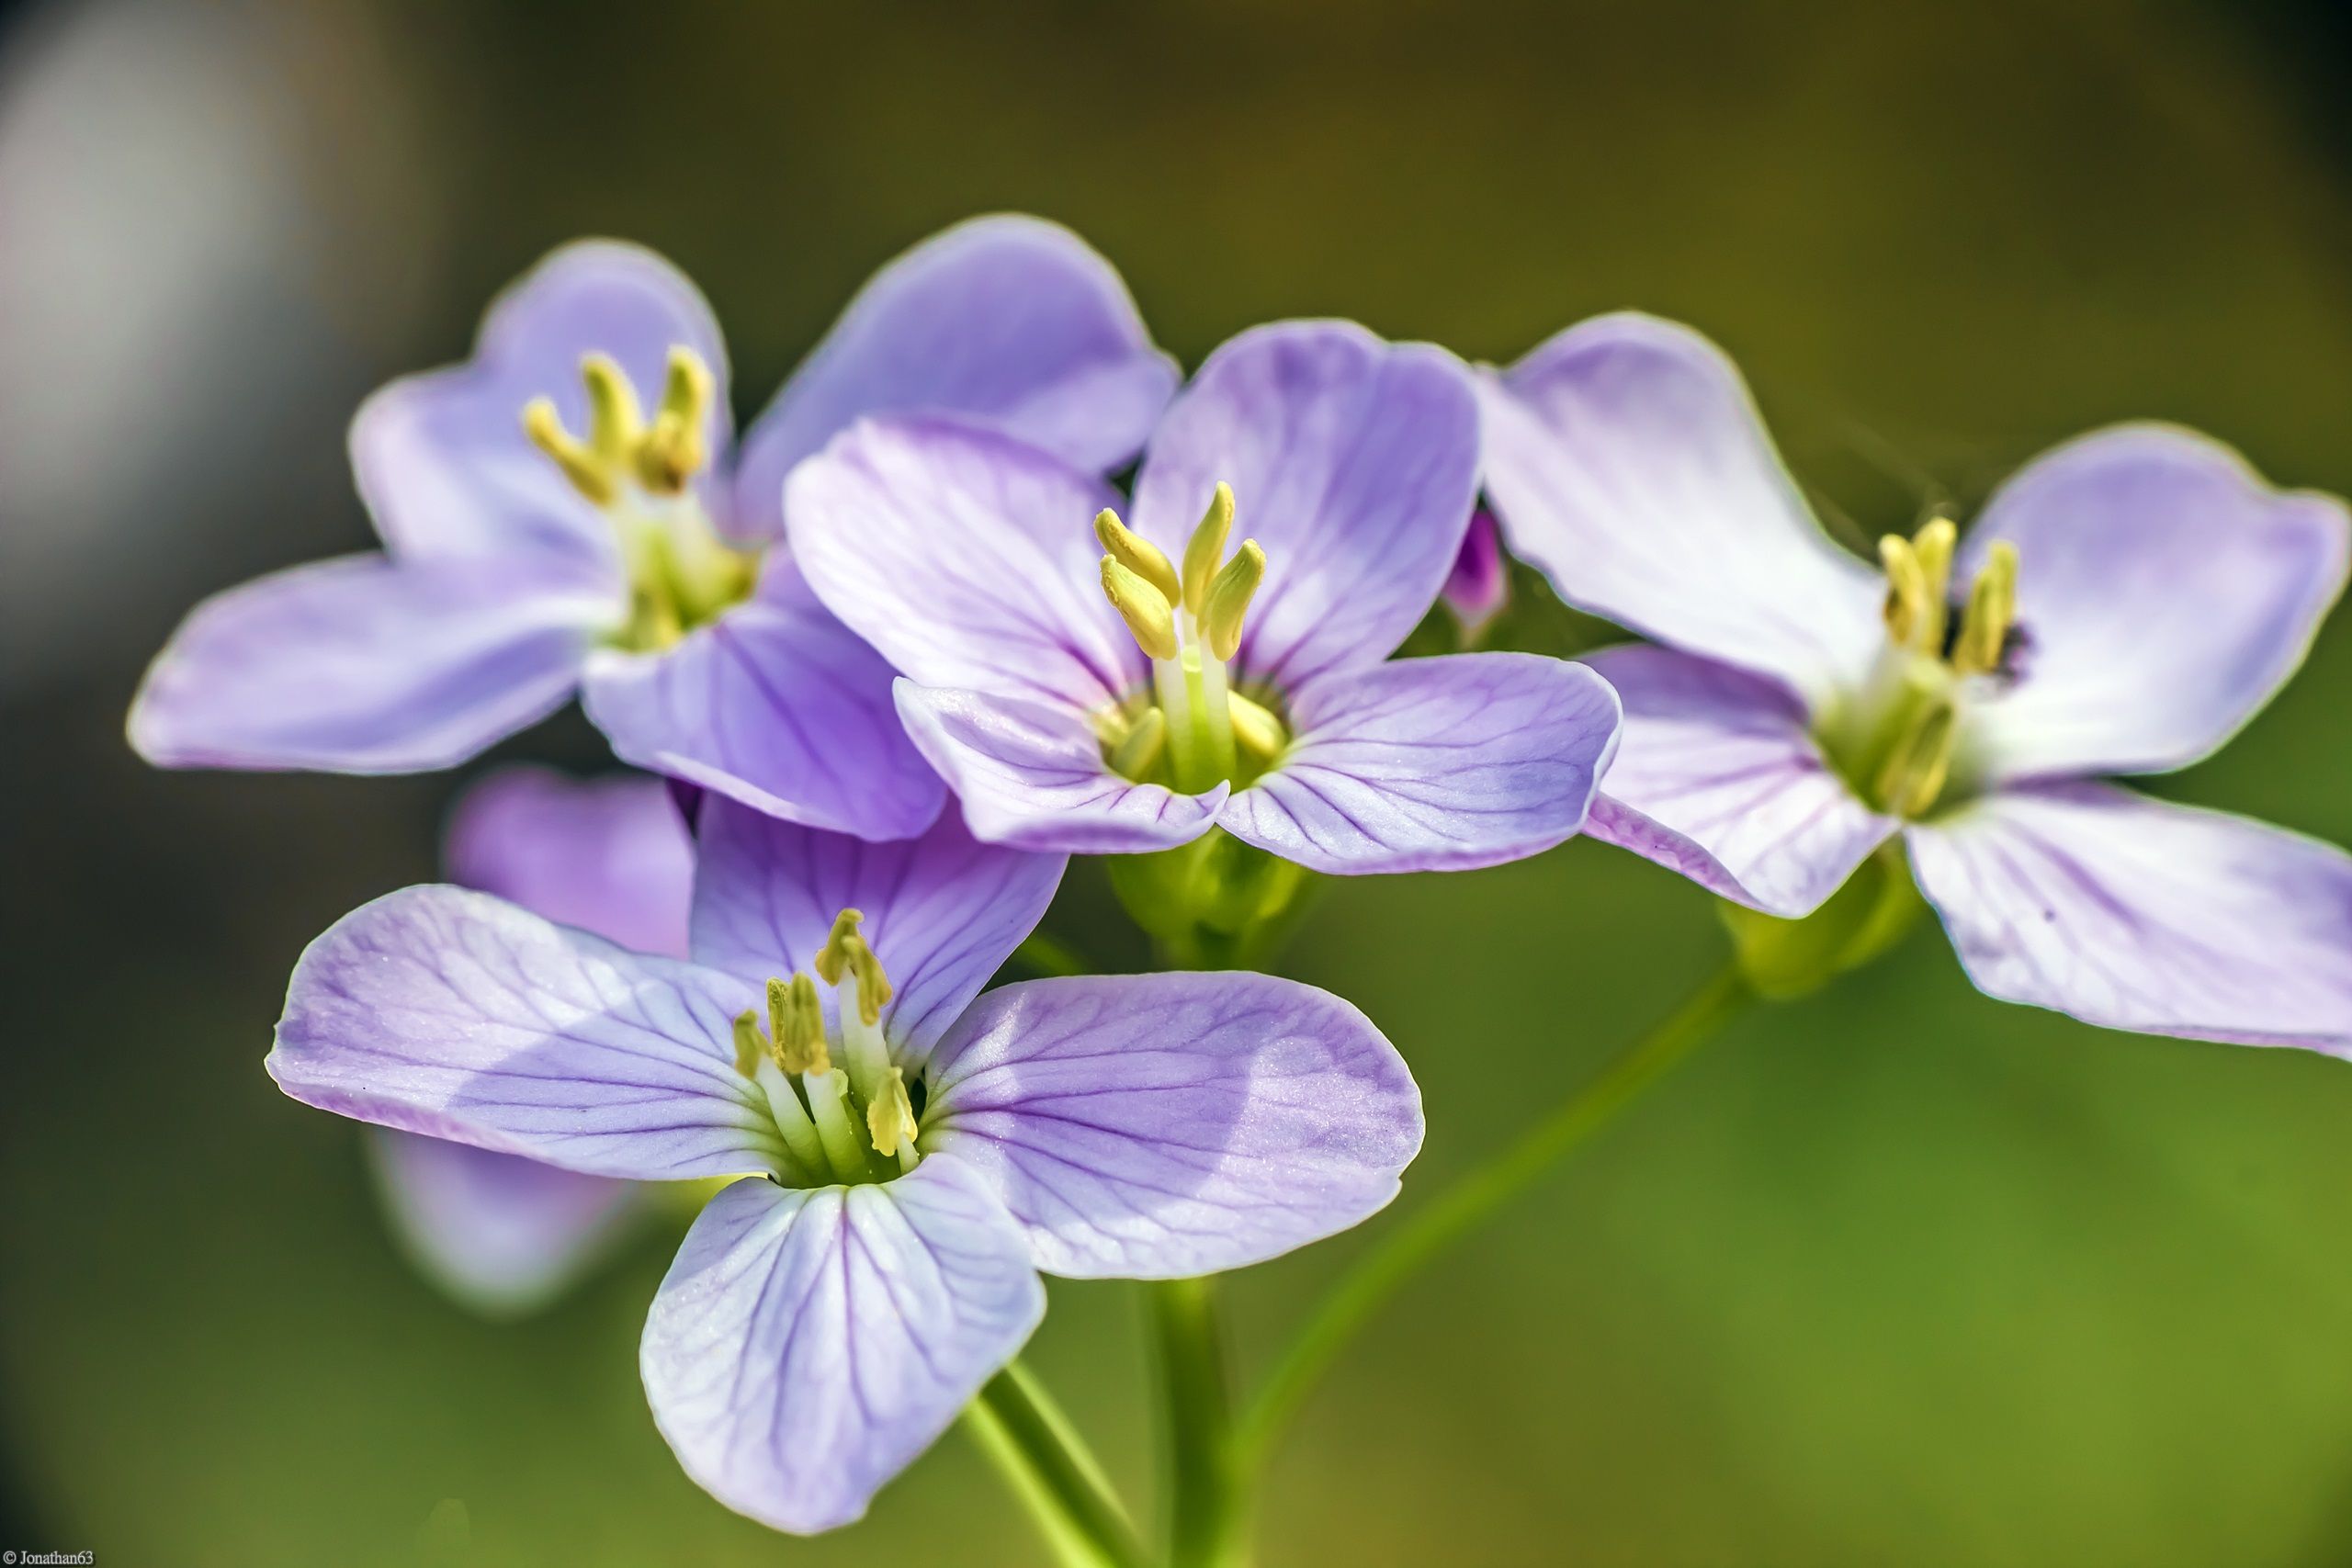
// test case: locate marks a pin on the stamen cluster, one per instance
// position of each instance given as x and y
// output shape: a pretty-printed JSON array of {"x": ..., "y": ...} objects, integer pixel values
[
  {"x": 848, "y": 1124},
  {"x": 638, "y": 471},
  {"x": 1192, "y": 731}
]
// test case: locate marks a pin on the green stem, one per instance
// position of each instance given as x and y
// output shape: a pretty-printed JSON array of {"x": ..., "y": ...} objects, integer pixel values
[
  {"x": 1050, "y": 1469},
  {"x": 1205, "y": 1490},
  {"x": 1428, "y": 1231}
]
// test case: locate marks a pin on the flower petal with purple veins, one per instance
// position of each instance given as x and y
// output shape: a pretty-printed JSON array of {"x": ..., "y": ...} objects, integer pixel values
[
  {"x": 966, "y": 557},
  {"x": 1006, "y": 320},
  {"x": 452, "y": 1013},
  {"x": 1156, "y": 1126},
  {"x": 942, "y": 912},
  {"x": 1352, "y": 461},
  {"x": 777, "y": 705},
  {"x": 1434, "y": 764},
  {"x": 501, "y": 1232},
  {"x": 1717, "y": 778},
  {"x": 2164, "y": 593},
  {"x": 361, "y": 665},
  {"x": 807, "y": 1346},
  {"x": 441, "y": 456},
  {"x": 2133, "y": 913},
  {"x": 1627, "y": 464},
  {"x": 609, "y": 855},
  {"x": 1030, "y": 774}
]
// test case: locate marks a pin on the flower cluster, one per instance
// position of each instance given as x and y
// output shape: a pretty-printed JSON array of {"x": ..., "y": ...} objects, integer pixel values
[{"x": 905, "y": 648}]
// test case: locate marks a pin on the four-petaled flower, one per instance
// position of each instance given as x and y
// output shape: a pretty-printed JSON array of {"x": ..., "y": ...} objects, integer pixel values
[
  {"x": 914, "y": 1151},
  {"x": 501, "y": 1232},
  {"x": 550, "y": 524},
  {"x": 2125, "y": 603},
  {"x": 1087, "y": 687}
]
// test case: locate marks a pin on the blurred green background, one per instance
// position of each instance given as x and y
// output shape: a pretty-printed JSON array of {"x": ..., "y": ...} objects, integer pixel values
[{"x": 1895, "y": 1275}]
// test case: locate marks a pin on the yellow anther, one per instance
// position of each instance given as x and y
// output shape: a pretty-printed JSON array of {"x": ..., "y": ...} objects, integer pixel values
[
  {"x": 1933, "y": 544},
  {"x": 1228, "y": 598},
  {"x": 750, "y": 1044},
  {"x": 1916, "y": 770},
  {"x": 589, "y": 474},
  {"x": 1145, "y": 608},
  {"x": 673, "y": 450},
  {"x": 1907, "y": 591},
  {"x": 1135, "y": 753},
  {"x": 845, "y": 951},
  {"x": 796, "y": 1024},
  {"x": 890, "y": 1118},
  {"x": 1259, "y": 733},
  {"x": 1206, "y": 553},
  {"x": 1138, "y": 554},
  {"x": 1992, "y": 609},
  {"x": 614, "y": 426}
]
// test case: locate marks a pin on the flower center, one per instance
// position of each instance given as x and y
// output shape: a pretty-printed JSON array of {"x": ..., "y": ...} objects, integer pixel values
[
  {"x": 639, "y": 473},
  {"x": 843, "y": 1123},
  {"x": 1897, "y": 742},
  {"x": 1191, "y": 730}
]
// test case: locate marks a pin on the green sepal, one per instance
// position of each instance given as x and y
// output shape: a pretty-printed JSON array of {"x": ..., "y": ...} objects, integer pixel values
[
  {"x": 1216, "y": 903},
  {"x": 1782, "y": 959}
]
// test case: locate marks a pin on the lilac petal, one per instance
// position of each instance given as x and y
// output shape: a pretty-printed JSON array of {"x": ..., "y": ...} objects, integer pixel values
[
  {"x": 1434, "y": 764},
  {"x": 1154, "y": 1126},
  {"x": 807, "y": 1346},
  {"x": 2164, "y": 593},
  {"x": 441, "y": 457},
  {"x": 359, "y": 665},
  {"x": 609, "y": 855},
  {"x": 2132, "y": 913},
  {"x": 1009, "y": 322},
  {"x": 1352, "y": 461},
  {"x": 1627, "y": 464},
  {"x": 942, "y": 911},
  {"x": 966, "y": 557},
  {"x": 450, "y": 1012},
  {"x": 1031, "y": 775},
  {"x": 501, "y": 1234},
  {"x": 1717, "y": 778},
  {"x": 777, "y": 705}
]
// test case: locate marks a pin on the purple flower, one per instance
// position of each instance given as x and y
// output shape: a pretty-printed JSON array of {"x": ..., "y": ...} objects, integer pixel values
[
  {"x": 921, "y": 1151},
  {"x": 565, "y": 512},
  {"x": 1478, "y": 588},
  {"x": 2123, "y": 605},
  {"x": 1110, "y": 690},
  {"x": 501, "y": 1232}
]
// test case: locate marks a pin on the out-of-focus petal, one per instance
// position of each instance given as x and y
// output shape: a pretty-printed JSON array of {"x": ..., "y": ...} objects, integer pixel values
[
  {"x": 2133, "y": 913},
  {"x": 501, "y": 1234},
  {"x": 807, "y": 1345},
  {"x": 1434, "y": 764},
  {"x": 441, "y": 456},
  {"x": 2164, "y": 593},
  {"x": 1352, "y": 461},
  {"x": 1006, "y": 320},
  {"x": 1154, "y": 1126},
  {"x": 775, "y": 704},
  {"x": 609, "y": 855},
  {"x": 942, "y": 911},
  {"x": 1717, "y": 778},
  {"x": 1628, "y": 464},
  {"x": 359, "y": 665},
  {"x": 1030, "y": 774},
  {"x": 966, "y": 557},
  {"x": 449, "y": 1012}
]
